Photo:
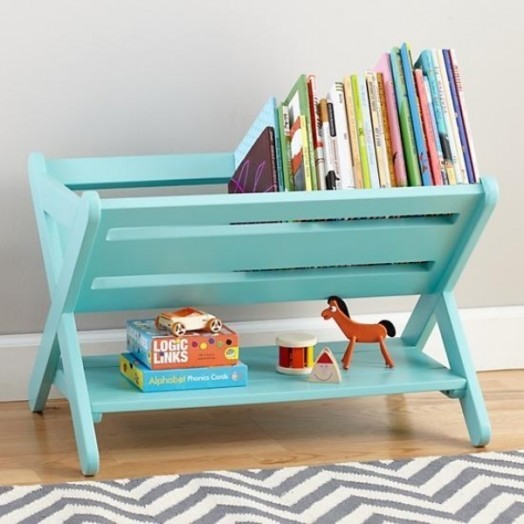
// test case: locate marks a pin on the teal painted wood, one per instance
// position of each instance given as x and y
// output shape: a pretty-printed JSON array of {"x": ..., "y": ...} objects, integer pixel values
[
  {"x": 144, "y": 252},
  {"x": 414, "y": 372}
]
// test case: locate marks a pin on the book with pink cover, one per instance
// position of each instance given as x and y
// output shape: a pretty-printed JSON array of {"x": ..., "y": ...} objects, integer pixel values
[
  {"x": 399, "y": 164},
  {"x": 434, "y": 161}
]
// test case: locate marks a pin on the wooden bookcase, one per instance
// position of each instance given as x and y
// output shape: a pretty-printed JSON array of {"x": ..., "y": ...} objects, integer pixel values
[{"x": 120, "y": 253}]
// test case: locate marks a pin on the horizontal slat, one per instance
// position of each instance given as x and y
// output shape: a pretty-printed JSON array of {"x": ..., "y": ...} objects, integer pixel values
[
  {"x": 271, "y": 246},
  {"x": 167, "y": 291},
  {"x": 142, "y": 171}
]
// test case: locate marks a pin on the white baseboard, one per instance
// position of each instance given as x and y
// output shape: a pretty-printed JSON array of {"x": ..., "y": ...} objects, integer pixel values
[{"x": 493, "y": 334}]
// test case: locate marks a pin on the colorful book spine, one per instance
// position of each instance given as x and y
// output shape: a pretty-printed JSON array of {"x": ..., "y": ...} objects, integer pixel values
[
  {"x": 399, "y": 163},
  {"x": 456, "y": 148},
  {"x": 428, "y": 126},
  {"x": 300, "y": 167},
  {"x": 285, "y": 148},
  {"x": 336, "y": 97},
  {"x": 385, "y": 127},
  {"x": 328, "y": 139},
  {"x": 425, "y": 62},
  {"x": 461, "y": 124},
  {"x": 416, "y": 121},
  {"x": 361, "y": 135},
  {"x": 353, "y": 133},
  {"x": 406, "y": 126},
  {"x": 368, "y": 132},
  {"x": 320, "y": 162},
  {"x": 378, "y": 129}
]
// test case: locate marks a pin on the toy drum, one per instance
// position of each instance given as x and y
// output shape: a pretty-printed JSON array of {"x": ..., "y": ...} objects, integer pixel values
[{"x": 295, "y": 353}]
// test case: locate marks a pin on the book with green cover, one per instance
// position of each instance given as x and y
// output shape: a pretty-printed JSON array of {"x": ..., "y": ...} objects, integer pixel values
[
  {"x": 406, "y": 125},
  {"x": 362, "y": 149},
  {"x": 297, "y": 103}
]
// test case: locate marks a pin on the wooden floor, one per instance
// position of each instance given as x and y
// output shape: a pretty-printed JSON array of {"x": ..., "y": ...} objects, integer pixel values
[{"x": 41, "y": 449}]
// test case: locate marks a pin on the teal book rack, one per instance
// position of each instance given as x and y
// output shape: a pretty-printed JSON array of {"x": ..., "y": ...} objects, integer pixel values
[{"x": 119, "y": 253}]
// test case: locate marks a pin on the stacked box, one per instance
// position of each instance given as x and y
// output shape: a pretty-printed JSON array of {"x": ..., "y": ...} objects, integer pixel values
[
  {"x": 159, "y": 350},
  {"x": 149, "y": 380}
]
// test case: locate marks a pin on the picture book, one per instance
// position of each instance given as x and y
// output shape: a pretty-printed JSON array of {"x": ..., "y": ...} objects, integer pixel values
[
  {"x": 416, "y": 122},
  {"x": 458, "y": 116},
  {"x": 158, "y": 349},
  {"x": 318, "y": 146},
  {"x": 427, "y": 124},
  {"x": 406, "y": 126},
  {"x": 353, "y": 133},
  {"x": 399, "y": 164},
  {"x": 283, "y": 126},
  {"x": 297, "y": 103},
  {"x": 425, "y": 62},
  {"x": 300, "y": 173},
  {"x": 149, "y": 380},
  {"x": 368, "y": 132},
  {"x": 451, "y": 121},
  {"x": 328, "y": 134},
  {"x": 385, "y": 127},
  {"x": 336, "y": 98},
  {"x": 361, "y": 135},
  {"x": 465, "y": 115},
  {"x": 257, "y": 172},
  {"x": 268, "y": 116},
  {"x": 378, "y": 129}
]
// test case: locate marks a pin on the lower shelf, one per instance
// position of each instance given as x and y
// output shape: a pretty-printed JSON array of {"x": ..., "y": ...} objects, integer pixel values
[{"x": 414, "y": 371}]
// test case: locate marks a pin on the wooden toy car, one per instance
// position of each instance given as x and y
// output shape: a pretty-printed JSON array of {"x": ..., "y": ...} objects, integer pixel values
[{"x": 187, "y": 319}]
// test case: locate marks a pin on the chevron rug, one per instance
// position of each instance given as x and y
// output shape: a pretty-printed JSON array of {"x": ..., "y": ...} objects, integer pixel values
[{"x": 479, "y": 488}]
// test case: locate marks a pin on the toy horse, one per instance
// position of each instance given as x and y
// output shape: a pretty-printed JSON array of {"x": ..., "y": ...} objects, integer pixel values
[{"x": 358, "y": 332}]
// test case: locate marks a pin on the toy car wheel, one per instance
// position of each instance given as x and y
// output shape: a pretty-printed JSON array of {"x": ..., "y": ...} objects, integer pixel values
[
  {"x": 214, "y": 325},
  {"x": 178, "y": 329}
]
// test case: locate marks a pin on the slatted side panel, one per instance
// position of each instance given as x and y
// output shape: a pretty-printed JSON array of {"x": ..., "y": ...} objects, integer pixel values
[{"x": 234, "y": 249}]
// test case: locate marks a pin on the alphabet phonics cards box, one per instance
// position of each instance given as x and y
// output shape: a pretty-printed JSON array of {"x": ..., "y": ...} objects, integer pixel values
[
  {"x": 148, "y": 379},
  {"x": 158, "y": 350}
]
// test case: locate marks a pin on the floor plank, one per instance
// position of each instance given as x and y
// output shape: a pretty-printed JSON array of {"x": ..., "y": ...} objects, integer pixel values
[{"x": 38, "y": 448}]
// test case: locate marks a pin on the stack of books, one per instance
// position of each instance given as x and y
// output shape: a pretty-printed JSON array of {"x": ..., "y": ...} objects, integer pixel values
[
  {"x": 402, "y": 123},
  {"x": 158, "y": 361}
]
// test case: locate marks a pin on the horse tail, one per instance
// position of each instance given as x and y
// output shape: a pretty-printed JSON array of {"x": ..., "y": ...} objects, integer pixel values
[{"x": 390, "y": 328}]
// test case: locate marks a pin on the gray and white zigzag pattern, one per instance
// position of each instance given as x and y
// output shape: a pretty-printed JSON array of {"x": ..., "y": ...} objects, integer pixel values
[{"x": 479, "y": 488}]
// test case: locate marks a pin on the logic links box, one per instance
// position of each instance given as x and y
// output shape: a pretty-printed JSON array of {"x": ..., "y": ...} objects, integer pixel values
[{"x": 159, "y": 350}]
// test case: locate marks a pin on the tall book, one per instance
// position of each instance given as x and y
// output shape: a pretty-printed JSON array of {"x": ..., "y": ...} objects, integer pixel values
[
  {"x": 404, "y": 114},
  {"x": 320, "y": 162},
  {"x": 425, "y": 62},
  {"x": 461, "y": 123},
  {"x": 385, "y": 125},
  {"x": 368, "y": 132},
  {"x": 300, "y": 160},
  {"x": 353, "y": 133},
  {"x": 328, "y": 134},
  {"x": 449, "y": 114},
  {"x": 379, "y": 137},
  {"x": 285, "y": 148},
  {"x": 297, "y": 103},
  {"x": 336, "y": 98},
  {"x": 399, "y": 164},
  {"x": 361, "y": 135},
  {"x": 428, "y": 126},
  {"x": 416, "y": 121}
]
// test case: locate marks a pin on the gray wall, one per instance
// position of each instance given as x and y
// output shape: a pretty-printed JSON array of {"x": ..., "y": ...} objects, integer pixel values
[{"x": 109, "y": 77}]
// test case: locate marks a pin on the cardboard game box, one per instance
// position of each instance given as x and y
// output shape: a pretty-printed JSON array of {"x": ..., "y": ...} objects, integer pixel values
[
  {"x": 159, "y": 350},
  {"x": 149, "y": 380}
]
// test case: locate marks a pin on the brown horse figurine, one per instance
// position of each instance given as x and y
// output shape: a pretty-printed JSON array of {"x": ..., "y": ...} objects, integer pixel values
[{"x": 358, "y": 332}]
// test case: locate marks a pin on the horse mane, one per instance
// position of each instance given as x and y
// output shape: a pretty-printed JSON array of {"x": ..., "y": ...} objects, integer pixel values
[{"x": 340, "y": 303}]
